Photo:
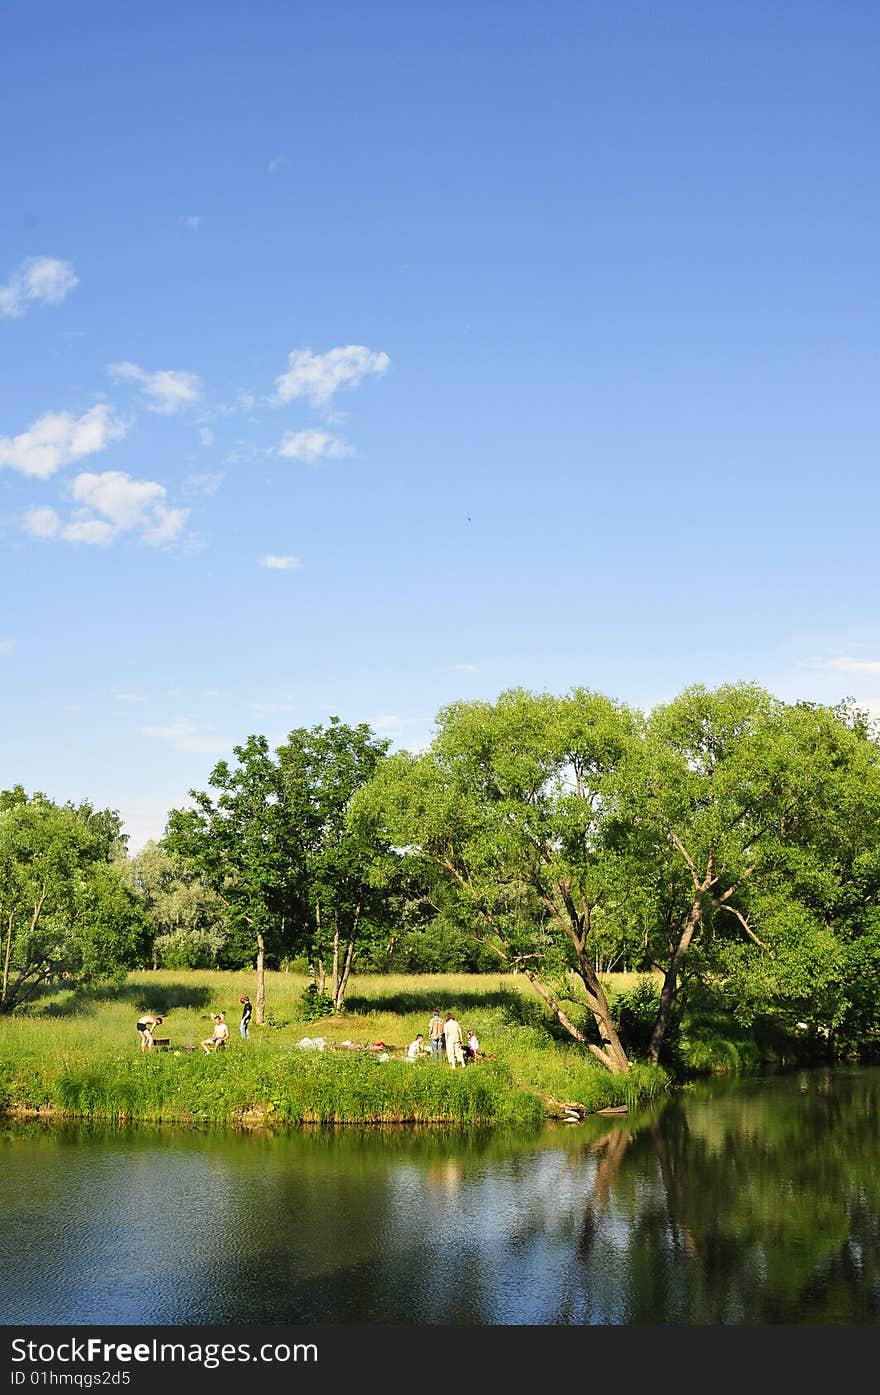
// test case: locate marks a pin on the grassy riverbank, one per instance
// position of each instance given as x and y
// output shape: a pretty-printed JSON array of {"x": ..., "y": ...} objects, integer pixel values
[{"x": 79, "y": 1056}]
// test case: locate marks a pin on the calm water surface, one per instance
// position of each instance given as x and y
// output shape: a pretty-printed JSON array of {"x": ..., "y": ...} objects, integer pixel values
[{"x": 749, "y": 1202}]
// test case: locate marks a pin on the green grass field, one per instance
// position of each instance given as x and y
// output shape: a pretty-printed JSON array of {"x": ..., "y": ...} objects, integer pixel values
[{"x": 79, "y": 1055}]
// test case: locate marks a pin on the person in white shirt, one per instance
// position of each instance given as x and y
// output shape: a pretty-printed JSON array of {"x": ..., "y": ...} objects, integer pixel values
[
  {"x": 473, "y": 1045},
  {"x": 218, "y": 1037},
  {"x": 453, "y": 1038},
  {"x": 416, "y": 1048}
]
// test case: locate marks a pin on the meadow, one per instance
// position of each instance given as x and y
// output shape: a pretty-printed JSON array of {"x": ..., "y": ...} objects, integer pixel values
[{"x": 78, "y": 1055}]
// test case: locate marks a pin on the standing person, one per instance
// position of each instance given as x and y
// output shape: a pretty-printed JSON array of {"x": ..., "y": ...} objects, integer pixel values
[
  {"x": 435, "y": 1034},
  {"x": 453, "y": 1038},
  {"x": 247, "y": 1009},
  {"x": 146, "y": 1026}
]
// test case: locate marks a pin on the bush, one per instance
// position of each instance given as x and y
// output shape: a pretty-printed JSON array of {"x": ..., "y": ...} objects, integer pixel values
[{"x": 315, "y": 1005}]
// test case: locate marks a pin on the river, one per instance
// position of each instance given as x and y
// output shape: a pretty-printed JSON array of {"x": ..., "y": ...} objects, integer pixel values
[{"x": 749, "y": 1201}]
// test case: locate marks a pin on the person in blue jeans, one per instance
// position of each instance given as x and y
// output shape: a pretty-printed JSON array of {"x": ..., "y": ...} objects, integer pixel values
[
  {"x": 435, "y": 1034},
  {"x": 246, "y": 1010}
]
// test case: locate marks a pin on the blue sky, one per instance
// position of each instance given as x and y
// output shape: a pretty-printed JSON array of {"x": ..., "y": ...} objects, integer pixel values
[{"x": 359, "y": 358}]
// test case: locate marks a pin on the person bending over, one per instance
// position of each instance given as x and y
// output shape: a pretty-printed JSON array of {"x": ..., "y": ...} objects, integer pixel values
[{"x": 146, "y": 1026}]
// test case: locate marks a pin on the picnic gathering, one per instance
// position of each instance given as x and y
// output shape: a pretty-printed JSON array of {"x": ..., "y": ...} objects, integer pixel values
[{"x": 445, "y": 1037}]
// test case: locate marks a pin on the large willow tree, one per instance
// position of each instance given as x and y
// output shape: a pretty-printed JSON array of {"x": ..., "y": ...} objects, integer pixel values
[{"x": 507, "y": 810}]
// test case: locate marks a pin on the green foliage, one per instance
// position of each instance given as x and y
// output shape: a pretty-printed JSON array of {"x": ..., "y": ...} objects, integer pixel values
[
  {"x": 635, "y": 1012},
  {"x": 64, "y": 909},
  {"x": 185, "y": 920},
  {"x": 314, "y": 1005}
]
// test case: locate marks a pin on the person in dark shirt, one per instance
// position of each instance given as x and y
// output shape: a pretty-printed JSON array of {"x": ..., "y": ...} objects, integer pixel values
[{"x": 246, "y": 1010}]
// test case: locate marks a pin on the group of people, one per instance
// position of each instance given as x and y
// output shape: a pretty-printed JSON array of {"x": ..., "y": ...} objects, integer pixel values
[
  {"x": 148, "y": 1022},
  {"x": 445, "y": 1034}
]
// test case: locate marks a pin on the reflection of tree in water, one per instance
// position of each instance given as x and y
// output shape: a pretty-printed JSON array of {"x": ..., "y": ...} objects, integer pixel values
[{"x": 766, "y": 1209}]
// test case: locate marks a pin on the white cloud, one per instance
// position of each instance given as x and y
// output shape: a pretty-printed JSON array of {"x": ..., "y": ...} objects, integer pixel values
[
  {"x": 166, "y": 390},
  {"x": 192, "y": 221},
  {"x": 202, "y": 483},
  {"x": 312, "y": 445},
  {"x": 848, "y": 665},
  {"x": 110, "y": 505},
  {"x": 41, "y": 522},
  {"x": 280, "y": 564},
  {"x": 7, "y": 647},
  {"x": 275, "y": 164},
  {"x": 464, "y": 668},
  {"x": 318, "y": 376},
  {"x": 36, "y": 280},
  {"x": 206, "y": 436},
  {"x": 58, "y": 438},
  {"x": 182, "y": 735},
  {"x": 92, "y": 531},
  {"x": 130, "y": 697}
]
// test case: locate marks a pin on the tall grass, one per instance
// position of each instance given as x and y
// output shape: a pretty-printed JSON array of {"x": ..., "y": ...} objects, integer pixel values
[{"x": 80, "y": 1056}]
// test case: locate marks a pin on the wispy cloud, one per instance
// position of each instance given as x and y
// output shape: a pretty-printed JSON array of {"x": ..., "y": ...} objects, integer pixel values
[
  {"x": 58, "y": 438},
  {"x": 7, "y": 647},
  {"x": 111, "y": 505},
  {"x": 130, "y": 697},
  {"x": 193, "y": 221},
  {"x": 464, "y": 668},
  {"x": 202, "y": 484},
  {"x": 280, "y": 564},
  {"x": 390, "y": 722},
  {"x": 166, "y": 391},
  {"x": 206, "y": 436},
  {"x": 312, "y": 446},
  {"x": 318, "y": 376},
  {"x": 36, "y": 281},
  {"x": 847, "y": 665},
  {"x": 182, "y": 734},
  {"x": 275, "y": 164}
]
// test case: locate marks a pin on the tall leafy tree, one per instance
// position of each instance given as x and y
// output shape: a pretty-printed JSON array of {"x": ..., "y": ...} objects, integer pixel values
[
  {"x": 344, "y": 897},
  {"x": 243, "y": 839},
  {"x": 745, "y": 818},
  {"x": 184, "y": 918},
  {"x": 271, "y": 839},
  {"x": 64, "y": 909},
  {"x": 509, "y": 810}
]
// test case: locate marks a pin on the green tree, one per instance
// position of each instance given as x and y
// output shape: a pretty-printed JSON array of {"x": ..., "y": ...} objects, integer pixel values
[
  {"x": 274, "y": 844},
  {"x": 64, "y": 909},
  {"x": 344, "y": 894},
  {"x": 184, "y": 918},
  {"x": 745, "y": 819},
  {"x": 508, "y": 810},
  {"x": 243, "y": 840}
]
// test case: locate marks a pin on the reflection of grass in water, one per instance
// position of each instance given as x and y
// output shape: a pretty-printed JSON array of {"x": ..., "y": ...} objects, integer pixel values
[{"x": 82, "y": 1056}]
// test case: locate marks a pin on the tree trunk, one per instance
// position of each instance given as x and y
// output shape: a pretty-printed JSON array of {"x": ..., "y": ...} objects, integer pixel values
[
  {"x": 6, "y": 957},
  {"x": 670, "y": 983},
  {"x": 339, "y": 995},
  {"x": 610, "y": 1053},
  {"x": 260, "y": 1002},
  {"x": 335, "y": 980},
  {"x": 339, "y": 999}
]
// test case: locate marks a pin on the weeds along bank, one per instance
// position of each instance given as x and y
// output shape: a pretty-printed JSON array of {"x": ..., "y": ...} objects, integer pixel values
[{"x": 80, "y": 1057}]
